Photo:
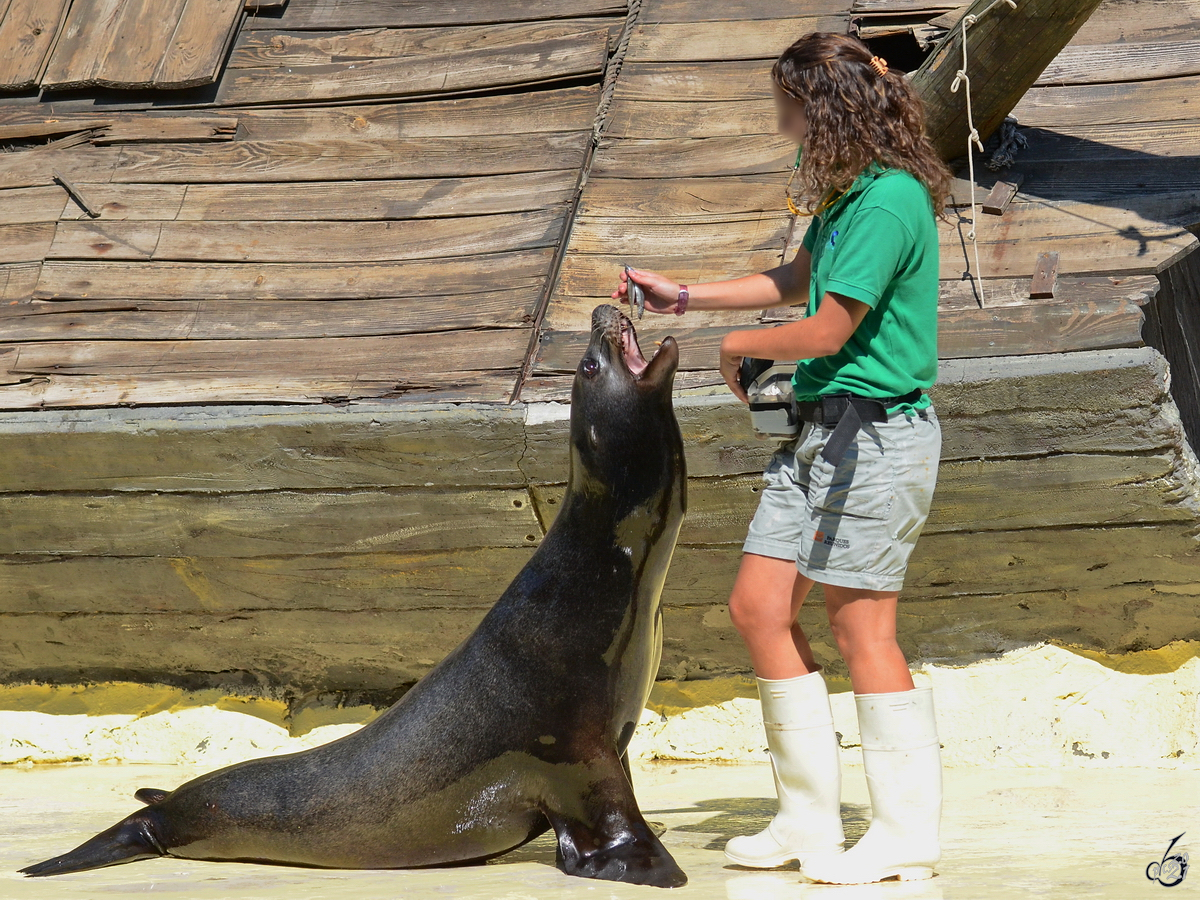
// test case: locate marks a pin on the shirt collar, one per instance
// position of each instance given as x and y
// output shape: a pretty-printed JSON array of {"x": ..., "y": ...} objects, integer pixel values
[{"x": 872, "y": 171}]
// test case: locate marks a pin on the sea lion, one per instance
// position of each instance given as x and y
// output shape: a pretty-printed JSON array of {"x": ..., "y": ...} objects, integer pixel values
[{"x": 524, "y": 726}]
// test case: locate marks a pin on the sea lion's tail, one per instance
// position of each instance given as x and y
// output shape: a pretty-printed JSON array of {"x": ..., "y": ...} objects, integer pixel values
[{"x": 129, "y": 840}]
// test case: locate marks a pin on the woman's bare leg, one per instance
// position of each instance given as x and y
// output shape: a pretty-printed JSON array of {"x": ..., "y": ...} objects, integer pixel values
[
  {"x": 863, "y": 623},
  {"x": 763, "y": 606}
]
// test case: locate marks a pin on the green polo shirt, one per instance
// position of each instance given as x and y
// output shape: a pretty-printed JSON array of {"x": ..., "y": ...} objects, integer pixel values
[{"x": 877, "y": 243}]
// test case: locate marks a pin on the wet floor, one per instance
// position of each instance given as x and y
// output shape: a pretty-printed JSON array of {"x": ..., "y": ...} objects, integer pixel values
[{"x": 1006, "y": 833}]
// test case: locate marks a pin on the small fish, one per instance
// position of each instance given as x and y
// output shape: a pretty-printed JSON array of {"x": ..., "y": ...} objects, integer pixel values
[{"x": 637, "y": 296}]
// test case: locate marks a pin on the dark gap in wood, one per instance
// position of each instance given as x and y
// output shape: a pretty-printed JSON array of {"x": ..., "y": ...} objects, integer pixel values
[
  {"x": 901, "y": 49},
  {"x": 1173, "y": 328}
]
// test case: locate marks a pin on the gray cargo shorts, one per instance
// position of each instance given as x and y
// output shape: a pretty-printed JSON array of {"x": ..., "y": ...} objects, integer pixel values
[{"x": 854, "y": 525}]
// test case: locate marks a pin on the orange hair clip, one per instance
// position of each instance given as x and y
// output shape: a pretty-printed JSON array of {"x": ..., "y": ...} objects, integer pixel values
[{"x": 879, "y": 64}]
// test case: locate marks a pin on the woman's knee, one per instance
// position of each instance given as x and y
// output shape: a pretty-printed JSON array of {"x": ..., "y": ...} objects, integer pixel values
[
  {"x": 744, "y": 612},
  {"x": 753, "y": 612},
  {"x": 762, "y": 594}
]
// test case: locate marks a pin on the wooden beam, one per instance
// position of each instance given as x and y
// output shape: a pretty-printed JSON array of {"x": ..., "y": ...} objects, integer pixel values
[
  {"x": 409, "y": 198},
  {"x": 667, "y": 120},
  {"x": 1001, "y": 195},
  {"x": 25, "y": 243},
  {"x": 972, "y": 495},
  {"x": 1045, "y": 276},
  {"x": 20, "y": 206},
  {"x": 738, "y": 10},
  {"x": 1161, "y": 100},
  {"x": 1007, "y": 50},
  {"x": 729, "y": 232}
]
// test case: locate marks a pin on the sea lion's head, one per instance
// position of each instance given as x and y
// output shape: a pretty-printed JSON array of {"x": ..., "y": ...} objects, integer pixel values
[{"x": 623, "y": 429}]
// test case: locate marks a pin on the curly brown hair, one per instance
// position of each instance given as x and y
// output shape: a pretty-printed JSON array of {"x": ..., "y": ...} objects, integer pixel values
[{"x": 855, "y": 116}]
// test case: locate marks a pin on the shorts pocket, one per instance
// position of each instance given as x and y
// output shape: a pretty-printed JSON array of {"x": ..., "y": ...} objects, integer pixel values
[{"x": 863, "y": 484}]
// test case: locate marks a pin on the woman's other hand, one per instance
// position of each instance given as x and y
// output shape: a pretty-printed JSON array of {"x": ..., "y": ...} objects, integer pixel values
[
  {"x": 731, "y": 364},
  {"x": 662, "y": 294}
]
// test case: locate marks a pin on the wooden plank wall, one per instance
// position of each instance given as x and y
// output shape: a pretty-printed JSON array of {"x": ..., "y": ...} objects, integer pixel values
[
  {"x": 371, "y": 209},
  {"x": 160, "y": 44},
  {"x": 227, "y": 216},
  {"x": 688, "y": 180}
]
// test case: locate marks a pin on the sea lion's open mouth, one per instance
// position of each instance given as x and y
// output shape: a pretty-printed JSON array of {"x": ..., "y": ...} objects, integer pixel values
[
  {"x": 612, "y": 330},
  {"x": 632, "y": 353}
]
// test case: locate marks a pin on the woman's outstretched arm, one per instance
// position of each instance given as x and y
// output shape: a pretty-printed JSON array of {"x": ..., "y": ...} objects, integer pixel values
[{"x": 785, "y": 285}]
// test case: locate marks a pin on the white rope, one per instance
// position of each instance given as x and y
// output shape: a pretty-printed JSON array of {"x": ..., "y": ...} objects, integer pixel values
[{"x": 973, "y": 134}]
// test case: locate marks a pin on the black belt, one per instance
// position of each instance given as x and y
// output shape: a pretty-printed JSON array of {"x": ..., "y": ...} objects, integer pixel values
[{"x": 845, "y": 412}]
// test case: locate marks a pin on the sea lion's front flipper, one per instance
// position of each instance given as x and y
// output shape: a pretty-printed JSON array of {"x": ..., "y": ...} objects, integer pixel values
[{"x": 602, "y": 834}]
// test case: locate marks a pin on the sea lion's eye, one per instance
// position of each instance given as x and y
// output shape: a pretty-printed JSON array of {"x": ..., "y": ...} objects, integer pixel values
[{"x": 590, "y": 367}]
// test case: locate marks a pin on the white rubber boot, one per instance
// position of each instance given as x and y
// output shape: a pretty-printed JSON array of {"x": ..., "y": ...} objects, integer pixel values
[
  {"x": 903, "y": 764},
  {"x": 806, "y": 762}
]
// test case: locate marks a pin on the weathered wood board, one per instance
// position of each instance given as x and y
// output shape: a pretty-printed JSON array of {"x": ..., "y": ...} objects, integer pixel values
[
  {"x": 260, "y": 49},
  {"x": 1137, "y": 61},
  {"x": 315, "y": 280},
  {"x": 320, "y": 14},
  {"x": 28, "y": 29},
  {"x": 268, "y": 242},
  {"x": 485, "y": 67},
  {"x": 199, "y": 320},
  {"x": 403, "y": 357},
  {"x": 164, "y": 44}
]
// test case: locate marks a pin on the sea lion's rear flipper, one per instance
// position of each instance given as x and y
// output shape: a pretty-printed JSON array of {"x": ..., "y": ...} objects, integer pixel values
[
  {"x": 150, "y": 796},
  {"x": 602, "y": 834},
  {"x": 129, "y": 840}
]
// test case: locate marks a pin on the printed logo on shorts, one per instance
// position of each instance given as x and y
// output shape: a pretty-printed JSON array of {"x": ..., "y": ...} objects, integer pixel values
[{"x": 830, "y": 541}]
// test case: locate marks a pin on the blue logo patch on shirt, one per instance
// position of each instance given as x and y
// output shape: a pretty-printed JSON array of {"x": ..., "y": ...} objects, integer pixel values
[{"x": 832, "y": 237}]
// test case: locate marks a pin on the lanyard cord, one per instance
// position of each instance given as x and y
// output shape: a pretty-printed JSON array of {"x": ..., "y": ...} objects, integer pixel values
[{"x": 791, "y": 204}]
